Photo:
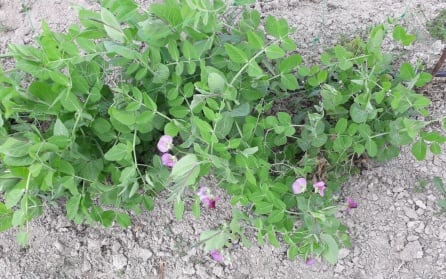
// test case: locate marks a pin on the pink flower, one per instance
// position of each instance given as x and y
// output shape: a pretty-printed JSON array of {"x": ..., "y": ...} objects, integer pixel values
[
  {"x": 206, "y": 198},
  {"x": 351, "y": 203},
  {"x": 320, "y": 187},
  {"x": 299, "y": 186},
  {"x": 165, "y": 143},
  {"x": 209, "y": 202},
  {"x": 216, "y": 256},
  {"x": 168, "y": 160},
  {"x": 310, "y": 261}
]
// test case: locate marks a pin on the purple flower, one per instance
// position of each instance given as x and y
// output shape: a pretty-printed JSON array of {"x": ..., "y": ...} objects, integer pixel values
[
  {"x": 165, "y": 143},
  {"x": 320, "y": 187},
  {"x": 310, "y": 261},
  {"x": 209, "y": 202},
  {"x": 299, "y": 186},
  {"x": 352, "y": 203},
  {"x": 203, "y": 192},
  {"x": 216, "y": 256},
  {"x": 168, "y": 160},
  {"x": 206, "y": 198}
]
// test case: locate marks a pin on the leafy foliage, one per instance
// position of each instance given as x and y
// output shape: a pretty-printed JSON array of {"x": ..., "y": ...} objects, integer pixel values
[{"x": 81, "y": 114}]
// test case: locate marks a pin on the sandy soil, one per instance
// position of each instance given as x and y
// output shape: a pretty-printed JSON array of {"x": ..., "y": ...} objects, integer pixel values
[{"x": 397, "y": 231}]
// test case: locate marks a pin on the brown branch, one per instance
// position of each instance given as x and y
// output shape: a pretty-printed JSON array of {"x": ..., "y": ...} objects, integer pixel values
[{"x": 440, "y": 63}]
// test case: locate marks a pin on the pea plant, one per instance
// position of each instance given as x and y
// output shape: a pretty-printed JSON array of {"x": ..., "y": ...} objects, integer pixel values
[{"x": 127, "y": 104}]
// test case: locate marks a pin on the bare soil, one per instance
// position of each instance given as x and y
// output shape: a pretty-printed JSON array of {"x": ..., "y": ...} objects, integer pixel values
[{"x": 397, "y": 230}]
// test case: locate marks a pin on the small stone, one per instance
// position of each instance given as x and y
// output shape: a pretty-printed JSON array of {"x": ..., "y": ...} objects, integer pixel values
[
  {"x": 189, "y": 270},
  {"x": 410, "y": 212},
  {"x": 339, "y": 268},
  {"x": 93, "y": 245},
  {"x": 119, "y": 261},
  {"x": 420, "y": 227},
  {"x": 442, "y": 236},
  {"x": 343, "y": 253},
  {"x": 412, "y": 251},
  {"x": 59, "y": 246},
  {"x": 374, "y": 197},
  {"x": 412, "y": 237},
  {"x": 398, "y": 189},
  {"x": 86, "y": 266},
  {"x": 144, "y": 254},
  {"x": 398, "y": 243},
  {"x": 420, "y": 204}
]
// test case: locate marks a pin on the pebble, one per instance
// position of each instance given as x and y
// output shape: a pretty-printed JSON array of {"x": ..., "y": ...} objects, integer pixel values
[
  {"x": 398, "y": 243},
  {"x": 412, "y": 237},
  {"x": 420, "y": 204},
  {"x": 343, "y": 253},
  {"x": 339, "y": 268},
  {"x": 412, "y": 251},
  {"x": 442, "y": 236},
  {"x": 410, "y": 212},
  {"x": 398, "y": 189},
  {"x": 144, "y": 254},
  {"x": 119, "y": 261}
]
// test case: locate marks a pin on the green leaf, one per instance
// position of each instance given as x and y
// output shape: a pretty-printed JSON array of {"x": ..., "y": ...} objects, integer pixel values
[
  {"x": 358, "y": 114},
  {"x": 407, "y": 72},
  {"x": 127, "y": 118},
  {"x": 72, "y": 206},
  {"x": 216, "y": 83},
  {"x": 13, "y": 197},
  {"x": 214, "y": 240},
  {"x": 186, "y": 170},
  {"x": 117, "y": 152},
  {"x": 241, "y": 111},
  {"x": 255, "y": 41},
  {"x": 276, "y": 28},
  {"x": 263, "y": 207},
  {"x": 250, "y": 151},
  {"x": 272, "y": 238},
  {"x": 292, "y": 252},
  {"x": 22, "y": 238},
  {"x": 289, "y": 81},
  {"x": 18, "y": 217},
  {"x": 290, "y": 63},
  {"x": 435, "y": 148},
  {"x": 341, "y": 125},
  {"x": 5, "y": 217},
  {"x": 171, "y": 13},
  {"x": 224, "y": 126},
  {"x": 123, "y": 220},
  {"x": 276, "y": 216},
  {"x": 112, "y": 26},
  {"x": 120, "y": 50},
  {"x": 423, "y": 79},
  {"x": 161, "y": 74},
  {"x": 107, "y": 218},
  {"x": 274, "y": 52},
  {"x": 171, "y": 129},
  {"x": 331, "y": 251},
  {"x": 399, "y": 34},
  {"x": 235, "y": 54},
  {"x": 371, "y": 147},
  {"x": 178, "y": 208},
  {"x": 60, "y": 129},
  {"x": 419, "y": 150},
  {"x": 148, "y": 203},
  {"x": 254, "y": 70}
]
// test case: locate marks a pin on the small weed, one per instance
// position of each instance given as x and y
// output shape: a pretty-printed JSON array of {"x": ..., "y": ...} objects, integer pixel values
[
  {"x": 5, "y": 28},
  {"x": 437, "y": 26}
]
